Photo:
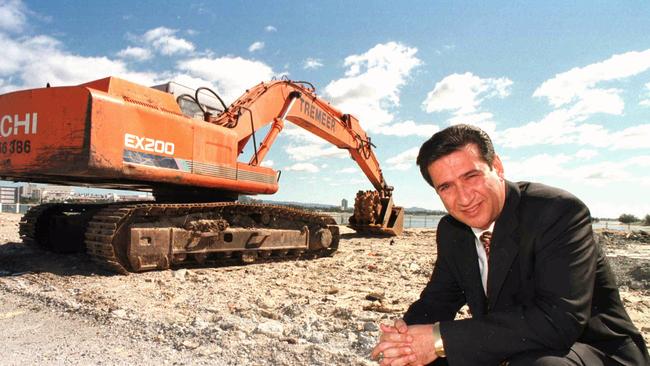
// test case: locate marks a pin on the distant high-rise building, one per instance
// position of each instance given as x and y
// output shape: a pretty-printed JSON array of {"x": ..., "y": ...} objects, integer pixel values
[
  {"x": 8, "y": 195},
  {"x": 30, "y": 190},
  {"x": 344, "y": 204}
]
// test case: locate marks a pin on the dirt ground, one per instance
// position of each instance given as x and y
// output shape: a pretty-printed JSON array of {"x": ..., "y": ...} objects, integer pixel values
[{"x": 62, "y": 309}]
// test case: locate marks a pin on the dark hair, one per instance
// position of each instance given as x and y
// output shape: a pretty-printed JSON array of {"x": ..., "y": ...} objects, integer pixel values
[{"x": 453, "y": 139}]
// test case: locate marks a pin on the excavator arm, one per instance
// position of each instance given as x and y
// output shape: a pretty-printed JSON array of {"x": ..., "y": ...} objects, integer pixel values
[{"x": 279, "y": 101}]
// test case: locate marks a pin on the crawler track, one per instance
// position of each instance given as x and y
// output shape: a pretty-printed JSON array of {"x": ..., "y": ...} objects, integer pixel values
[{"x": 145, "y": 236}]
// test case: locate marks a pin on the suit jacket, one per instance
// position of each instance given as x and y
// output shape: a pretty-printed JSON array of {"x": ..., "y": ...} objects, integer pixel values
[{"x": 549, "y": 285}]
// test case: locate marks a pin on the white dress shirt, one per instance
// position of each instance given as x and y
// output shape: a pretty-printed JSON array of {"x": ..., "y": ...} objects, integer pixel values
[{"x": 482, "y": 257}]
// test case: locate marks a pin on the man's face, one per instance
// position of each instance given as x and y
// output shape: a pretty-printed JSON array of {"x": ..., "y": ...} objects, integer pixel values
[{"x": 471, "y": 191}]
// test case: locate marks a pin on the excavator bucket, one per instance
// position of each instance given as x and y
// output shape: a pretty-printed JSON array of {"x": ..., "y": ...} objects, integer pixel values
[{"x": 376, "y": 215}]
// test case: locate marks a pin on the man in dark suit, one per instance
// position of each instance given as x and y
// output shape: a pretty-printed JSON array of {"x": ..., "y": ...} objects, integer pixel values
[{"x": 523, "y": 257}]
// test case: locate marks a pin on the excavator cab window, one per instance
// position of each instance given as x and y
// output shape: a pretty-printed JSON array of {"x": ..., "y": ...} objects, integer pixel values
[{"x": 189, "y": 106}]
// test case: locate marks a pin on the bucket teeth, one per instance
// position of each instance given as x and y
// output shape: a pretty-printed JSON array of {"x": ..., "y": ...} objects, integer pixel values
[{"x": 376, "y": 215}]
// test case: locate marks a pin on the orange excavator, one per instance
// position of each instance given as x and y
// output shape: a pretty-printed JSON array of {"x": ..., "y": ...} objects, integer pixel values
[{"x": 183, "y": 146}]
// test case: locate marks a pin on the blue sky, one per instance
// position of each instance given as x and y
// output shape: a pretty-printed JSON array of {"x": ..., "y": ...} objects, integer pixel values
[{"x": 562, "y": 87}]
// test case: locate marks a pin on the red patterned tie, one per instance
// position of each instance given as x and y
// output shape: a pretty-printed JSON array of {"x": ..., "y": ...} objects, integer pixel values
[{"x": 485, "y": 239}]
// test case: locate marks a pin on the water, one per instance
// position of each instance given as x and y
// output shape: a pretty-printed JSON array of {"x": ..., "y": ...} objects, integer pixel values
[
  {"x": 410, "y": 221},
  {"x": 431, "y": 221},
  {"x": 617, "y": 226}
]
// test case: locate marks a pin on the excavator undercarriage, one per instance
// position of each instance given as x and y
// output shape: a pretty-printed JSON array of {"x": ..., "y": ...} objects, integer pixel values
[{"x": 144, "y": 236}]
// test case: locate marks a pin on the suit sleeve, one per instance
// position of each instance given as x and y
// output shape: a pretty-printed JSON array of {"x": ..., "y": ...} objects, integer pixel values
[
  {"x": 442, "y": 297},
  {"x": 564, "y": 270}
]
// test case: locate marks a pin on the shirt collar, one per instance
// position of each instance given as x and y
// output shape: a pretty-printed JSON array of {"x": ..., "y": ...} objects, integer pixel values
[{"x": 478, "y": 232}]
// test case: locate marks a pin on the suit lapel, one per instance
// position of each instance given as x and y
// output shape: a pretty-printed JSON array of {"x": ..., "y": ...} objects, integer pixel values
[
  {"x": 504, "y": 245},
  {"x": 467, "y": 260}
]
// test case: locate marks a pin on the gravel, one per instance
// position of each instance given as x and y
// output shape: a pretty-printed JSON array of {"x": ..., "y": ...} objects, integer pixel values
[{"x": 319, "y": 312}]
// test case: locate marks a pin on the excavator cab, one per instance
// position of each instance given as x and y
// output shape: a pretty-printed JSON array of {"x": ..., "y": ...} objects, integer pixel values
[{"x": 194, "y": 103}]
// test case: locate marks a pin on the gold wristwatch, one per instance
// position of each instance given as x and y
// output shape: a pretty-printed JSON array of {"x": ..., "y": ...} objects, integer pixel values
[{"x": 437, "y": 339}]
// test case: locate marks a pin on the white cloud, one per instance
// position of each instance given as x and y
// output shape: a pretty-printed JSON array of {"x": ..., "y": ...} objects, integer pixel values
[
  {"x": 33, "y": 62},
  {"x": 158, "y": 33},
  {"x": 573, "y": 84},
  {"x": 306, "y": 146},
  {"x": 565, "y": 168},
  {"x": 349, "y": 170},
  {"x": 164, "y": 40},
  {"x": 300, "y": 135},
  {"x": 601, "y": 173},
  {"x": 312, "y": 63},
  {"x": 12, "y": 15},
  {"x": 531, "y": 168},
  {"x": 311, "y": 152},
  {"x": 267, "y": 163},
  {"x": 577, "y": 97},
  {"x": 594, "y": 101},
  {"x": 255, "y": 46},
  {"x": 463, "y": 93},
  {"x": 408, "y": 128},
  {"x": 135, "y": 53},
  {"x": 462, "y": 96},
  {"x": 635, "y": 137},
  {"x": 562, "y": 127},
  {"x": 231, "y": 76},
  {"x": 586, "y": 154},
  {"x": 403, "y": 160},
  {"x": 642, "y": 161},
  {"x": 270, "y": 28},
  {"x": 303, "y": 167},
  {"x": 372, "y": 83},
  {"x": 482, "y": 120}
]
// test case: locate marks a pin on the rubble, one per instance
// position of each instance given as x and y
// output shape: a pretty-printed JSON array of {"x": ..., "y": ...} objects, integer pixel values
[{"x": 320, "y": 312}]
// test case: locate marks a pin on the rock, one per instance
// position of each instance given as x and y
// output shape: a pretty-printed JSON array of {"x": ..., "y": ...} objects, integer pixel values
[
  {"x": 414, "y": 267},
  {"x": 180, "y": 274},
  {"x": 201, "y": 324},
  {"x": 342, "y": 313},
  {"x": 641, "y": 272},
  {"x": 270, "y": 328},
  {"x": 365, "y": 343},
  {"x": 378, "y": 307},
  {"x": 208, "y": 350},
  {"x": 226, "y": 325},
  {"x": 266, "y": 303},
  {"x": 332, "y": 290},
  {"x": 376, "y": 296},
  {"x": 370, "y": 327},
  {"x": 269, "y": 314},
  {"x": 241, "y": 335},
  {"x": 636, "y": 285},
  {"x": 119, "y": 313},
  {"x": 292, "y": 310},
  {"x": 191, "y": 343},
  {"x": 316, "y": 337},
  {"x": 352, "y": 338}
]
